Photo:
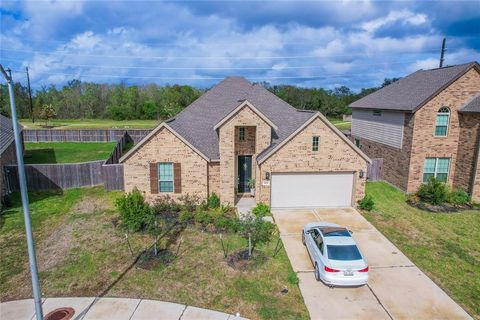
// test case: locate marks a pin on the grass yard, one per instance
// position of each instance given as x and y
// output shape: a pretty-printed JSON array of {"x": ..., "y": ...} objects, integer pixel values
[
  {"x": 66, "y": 152},
  {"x": 124, "y": 124},
  {"x": 91, "y": 124},
  {"x": 446, "y": 246},
  {"x": 340, "y": 124},
  {"x": 81, "y": 252}
]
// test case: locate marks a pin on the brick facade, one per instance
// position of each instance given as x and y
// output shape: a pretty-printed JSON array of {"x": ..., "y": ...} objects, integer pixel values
[
  {"x": 334, "y": 155},
  {"x": 200, "y": 177},
  {"x": 425, "y": 144},
  {"x": 164, "y": 146},
  {"x": 404, "y": 167},
  {"x": 467, "y": 151},
  {"x": 245, "y": 117},
  {"x": 476, "y": 180},
  {"x": 214, "y": 177}
]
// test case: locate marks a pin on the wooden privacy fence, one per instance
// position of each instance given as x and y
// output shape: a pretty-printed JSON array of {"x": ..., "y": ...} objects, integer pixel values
[
  {"x": 66, "y": 176},
  {"x": 374, "y": 170},
  {"x": 108, "y": 173},
  {"x": 82, "y": 135},
  {"x": 56, "y": 176}
]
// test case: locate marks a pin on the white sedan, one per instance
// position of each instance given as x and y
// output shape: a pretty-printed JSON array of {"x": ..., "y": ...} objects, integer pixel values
[{"x": 334, "y": 254}]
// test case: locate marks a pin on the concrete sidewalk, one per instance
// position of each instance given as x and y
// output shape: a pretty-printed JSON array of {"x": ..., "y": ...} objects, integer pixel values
[{"x": 112, "y": 308}]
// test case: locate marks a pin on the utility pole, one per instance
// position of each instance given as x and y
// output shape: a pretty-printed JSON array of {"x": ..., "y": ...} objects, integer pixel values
[
  {"x": 37, "y": 296},
  {"x": 442, "y": 53},
  {"x": 30, "y": 96}
]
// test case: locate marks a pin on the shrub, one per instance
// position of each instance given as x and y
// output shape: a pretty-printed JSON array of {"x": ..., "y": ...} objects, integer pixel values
[
  {"x": 458, "y": 197},
  {"x": 136, "y": 214},
  {"x": 186, "y": 216},
  {"x": 366, "y": 203},
  {"x": 227, "y": 209},
  {"x": 434, "y": 192},
  {"x": 261, "y": 210},
  {"x": 166, "y": 204},
  {"x": 203, "y": 217},
  {"x": 213, "y": 201},
  {"x": 189, "y": 202}
]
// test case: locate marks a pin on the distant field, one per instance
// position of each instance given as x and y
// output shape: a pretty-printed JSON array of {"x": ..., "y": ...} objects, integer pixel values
[
  {"x": 340, "y": 124},
  {"x": 66, "y": 152},
  {"x": 91, "y": 124}
]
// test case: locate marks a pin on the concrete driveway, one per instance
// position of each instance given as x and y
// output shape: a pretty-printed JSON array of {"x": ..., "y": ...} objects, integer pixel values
[{"x": 397, "y": 289}]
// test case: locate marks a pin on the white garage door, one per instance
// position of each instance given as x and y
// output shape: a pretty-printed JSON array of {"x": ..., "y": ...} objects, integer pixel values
[{"x": 311, "y": 190}]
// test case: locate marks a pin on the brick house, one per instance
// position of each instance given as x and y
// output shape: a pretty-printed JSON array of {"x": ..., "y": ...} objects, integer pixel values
[
  {"x": 426, "y": 124},
  {"x": 7, "y": 151},
  {"x": 238, "y": 131}
]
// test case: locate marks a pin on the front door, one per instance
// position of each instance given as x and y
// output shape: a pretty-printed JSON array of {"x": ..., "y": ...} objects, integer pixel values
[{"x": 244, "y": 173}]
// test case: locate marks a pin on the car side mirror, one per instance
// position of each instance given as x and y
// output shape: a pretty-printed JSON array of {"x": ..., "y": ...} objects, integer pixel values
[
  {"x": 309, "y": 231},
  {"x": 350, "y": 231}
]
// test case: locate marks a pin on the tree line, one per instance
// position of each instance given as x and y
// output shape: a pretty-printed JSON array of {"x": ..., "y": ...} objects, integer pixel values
[{"x": 88, "y": 100}]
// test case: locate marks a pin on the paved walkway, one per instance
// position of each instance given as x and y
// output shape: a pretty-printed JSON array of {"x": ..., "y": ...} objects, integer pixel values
[
  {"x": 112, "y": 308},
  {"x": 396, "y": 289}
]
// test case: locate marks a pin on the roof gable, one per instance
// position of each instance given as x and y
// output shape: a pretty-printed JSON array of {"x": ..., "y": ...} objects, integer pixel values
[
  {"x": 412, "y": 92},
  {"x": 151, "y": 135},
  {"x": 196, "y": 123},
  {"x": 242, "y": 105},
  {"x": 472, "y": 106},
  {"x": 262, "y": 157}
]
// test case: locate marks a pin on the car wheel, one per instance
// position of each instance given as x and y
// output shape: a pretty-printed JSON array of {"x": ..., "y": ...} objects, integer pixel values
[
  {"x": 317, "y": 272},
  {"x": 303, "y": 238}
]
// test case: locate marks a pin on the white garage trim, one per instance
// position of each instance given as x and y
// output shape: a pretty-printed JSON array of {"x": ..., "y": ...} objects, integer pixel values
[{"x": 312, "y": 189}]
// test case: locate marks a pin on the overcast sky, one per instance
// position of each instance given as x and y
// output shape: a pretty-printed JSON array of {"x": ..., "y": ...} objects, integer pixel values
[{"x": 307, "y": 43}]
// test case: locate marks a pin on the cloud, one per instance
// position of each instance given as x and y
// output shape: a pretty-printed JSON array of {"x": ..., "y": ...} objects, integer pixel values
[{"x": 353, "y": 43}]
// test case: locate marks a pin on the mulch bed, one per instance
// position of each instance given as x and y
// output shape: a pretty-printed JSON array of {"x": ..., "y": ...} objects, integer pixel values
[
  {"x": 148, "y": 260},
  {"x": 444, "y": 208},
  {"x": 240, "y": 261}
]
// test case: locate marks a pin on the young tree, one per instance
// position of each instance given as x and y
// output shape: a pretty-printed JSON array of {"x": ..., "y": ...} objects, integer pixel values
[
  {"x": 48, "y": 113},
  {"x": 256, "y": 231}
]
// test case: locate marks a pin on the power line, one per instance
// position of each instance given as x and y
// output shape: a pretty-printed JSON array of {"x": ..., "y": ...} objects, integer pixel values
[
  {"x": 279, "y": 68},
  {"x": 192, "y": 78},
  {"x": 63, "y": 52}
]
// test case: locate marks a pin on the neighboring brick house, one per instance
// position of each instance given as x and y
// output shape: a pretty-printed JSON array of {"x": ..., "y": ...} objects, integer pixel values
[
  {"x": 426, "y": 124},
  {"x": 237, "y": 131},
  {"x": 7, "y": 151}
]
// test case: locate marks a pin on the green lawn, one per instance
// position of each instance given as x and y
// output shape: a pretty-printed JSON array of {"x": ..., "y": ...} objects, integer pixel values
[
  {"x": 66, "y": 152},
  {"x": 446, "y": 246},
  {"x": 82, "y": 252},
  {"x": 340, "y": 124},
  {"x": 124, "y": 124},
  {"x": 91, "y": 124}
]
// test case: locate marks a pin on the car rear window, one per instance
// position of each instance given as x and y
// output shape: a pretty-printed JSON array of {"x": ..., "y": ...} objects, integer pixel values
[
  {"x": 343, "y": 252},
  {"x": 338, "y": 233}
]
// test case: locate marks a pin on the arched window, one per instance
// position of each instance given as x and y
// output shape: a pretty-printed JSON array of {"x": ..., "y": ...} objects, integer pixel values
[{"x": 441, "y": 122}]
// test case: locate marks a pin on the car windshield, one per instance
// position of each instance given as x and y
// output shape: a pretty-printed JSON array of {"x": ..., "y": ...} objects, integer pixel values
[{"x": 343, "y": 252}]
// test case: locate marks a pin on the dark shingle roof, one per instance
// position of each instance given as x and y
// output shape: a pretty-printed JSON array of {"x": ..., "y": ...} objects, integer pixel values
[
  {"x": 196, "y": 123},
  {"x": 473, "y": 105},
  {"x": 411, "y": 92},
  {"x": 6, "y": 133}
]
